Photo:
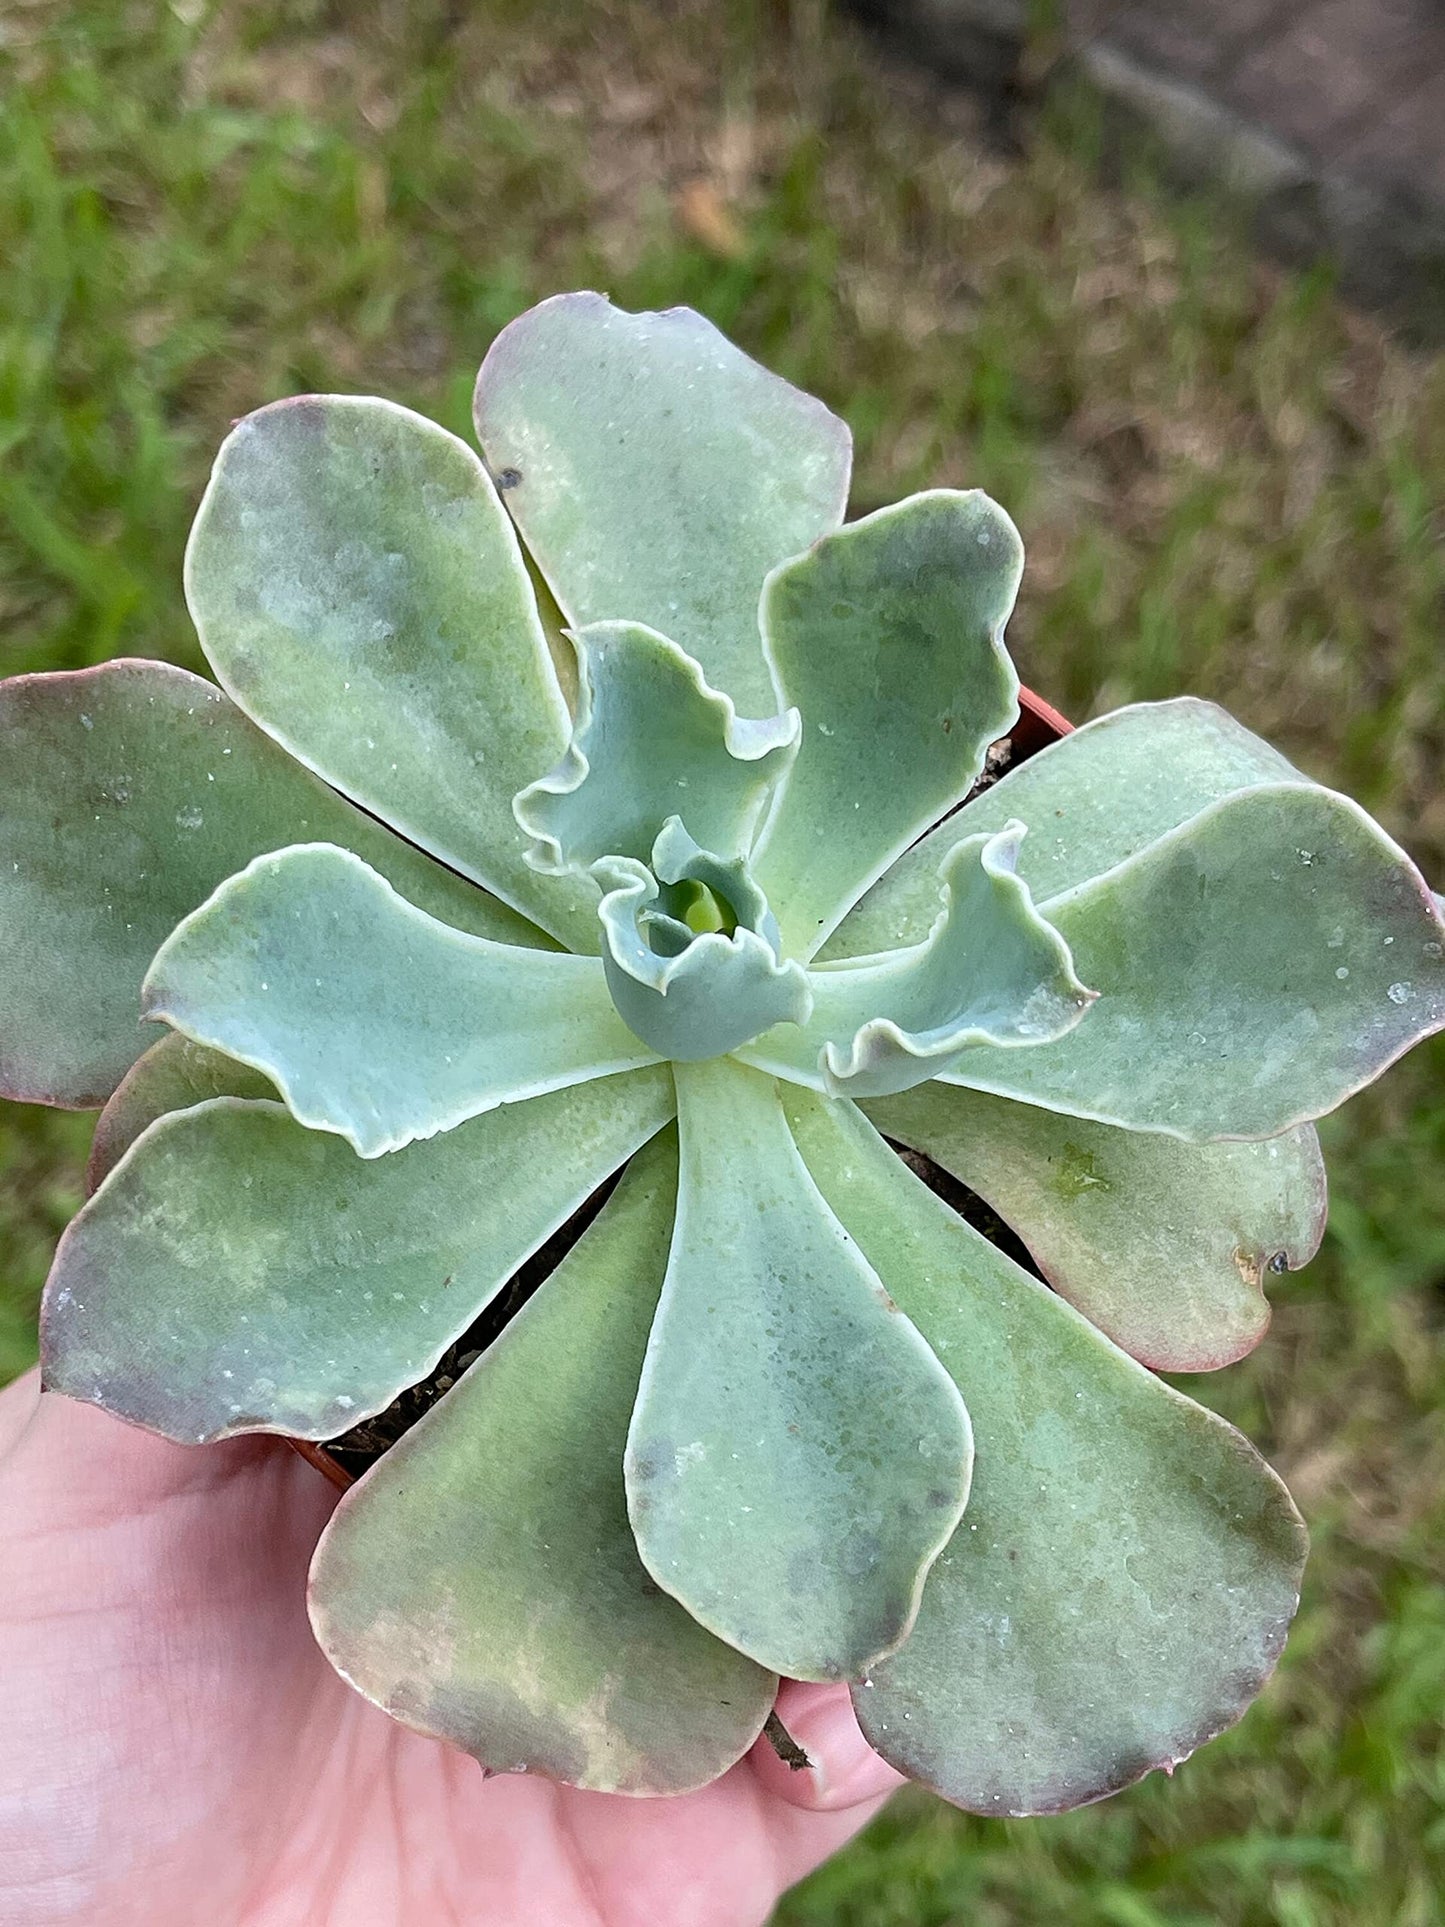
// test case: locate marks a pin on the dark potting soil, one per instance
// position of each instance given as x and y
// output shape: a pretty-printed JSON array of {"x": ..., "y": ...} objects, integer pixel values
[{"x": 355, "y": 1450}]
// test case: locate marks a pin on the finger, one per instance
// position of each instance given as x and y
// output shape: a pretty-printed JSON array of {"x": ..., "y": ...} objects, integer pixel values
[
  {"x": 844, "y": 1771},
  {"x": 18, "y": 1404}
]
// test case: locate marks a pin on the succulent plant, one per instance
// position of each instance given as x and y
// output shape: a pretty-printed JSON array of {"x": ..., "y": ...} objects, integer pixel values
[{"x": 450, "y": 912}]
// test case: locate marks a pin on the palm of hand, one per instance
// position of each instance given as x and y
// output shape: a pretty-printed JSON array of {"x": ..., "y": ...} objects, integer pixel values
[{"x": 178, "y": 1751}]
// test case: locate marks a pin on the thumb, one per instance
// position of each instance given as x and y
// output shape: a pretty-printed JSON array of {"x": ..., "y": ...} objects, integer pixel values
[
  {"x": 842, "y": 1770},
  {"x": 19, "y": 1402}
]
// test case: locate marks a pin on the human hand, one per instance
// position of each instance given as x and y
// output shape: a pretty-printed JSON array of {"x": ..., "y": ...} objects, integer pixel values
[{"x": 178, "y": 1753}]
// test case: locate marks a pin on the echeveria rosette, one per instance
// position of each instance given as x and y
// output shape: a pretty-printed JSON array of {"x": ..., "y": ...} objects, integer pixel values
[{"x": 440, "y": 954}]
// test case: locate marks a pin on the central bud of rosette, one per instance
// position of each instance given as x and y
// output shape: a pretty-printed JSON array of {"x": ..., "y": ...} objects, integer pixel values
[
  {"x": 692, "y": 951},
  {"x": 659, "y": 798}
]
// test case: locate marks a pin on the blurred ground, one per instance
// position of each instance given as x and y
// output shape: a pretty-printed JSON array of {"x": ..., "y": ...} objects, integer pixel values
[
  {"x": 1228, "y": 484},
  {"x": 1328, "y": 113}
]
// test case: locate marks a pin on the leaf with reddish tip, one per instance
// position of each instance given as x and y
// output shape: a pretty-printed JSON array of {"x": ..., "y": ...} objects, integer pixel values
[
  {"x": 239, "y": 1273},
  {"x": 798, "y": 1457},
  {"x": 1163, "y": 1245},
  {"x": 173, "y": 1075},
  {"x": 371, "y": 1018},
  {"x": 482, "y": 1584},
  {"x": 657, "y": 473},
  {"x": 888, "y": 637},
  {"x": 1122, "y": 1583},
  {"x": 127, "y": 793},
  {"x": 1256, "y": 967},
  {"x": 357, "y": 587}
]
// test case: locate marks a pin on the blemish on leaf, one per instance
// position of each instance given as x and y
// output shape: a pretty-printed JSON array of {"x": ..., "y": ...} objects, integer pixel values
[
  {"x": 1077, "y": 1174},
  {"x": 650, "y": 1459}
]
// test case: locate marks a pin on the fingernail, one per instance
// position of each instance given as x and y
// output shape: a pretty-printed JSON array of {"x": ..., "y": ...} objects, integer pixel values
[{"x": 845, "y": 1768}]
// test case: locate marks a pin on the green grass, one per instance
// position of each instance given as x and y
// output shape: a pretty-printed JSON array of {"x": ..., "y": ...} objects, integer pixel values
[{"x": 1227, "y": 484}]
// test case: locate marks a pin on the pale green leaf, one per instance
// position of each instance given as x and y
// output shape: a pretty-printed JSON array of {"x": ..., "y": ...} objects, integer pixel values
[
  {"x": 482, "y": 1583},
  {"x": 991, "y": 971},
  {"x": 371, "y": 1018},
  {"x": 358, "y": 589},
  {"x": 888, "y": 636},
  {"x": 1121, "y": 1585},
  {"x": 1097, "y": 796},
  {"x": 651, "y": 741},
  {"x": 239, "y": 1273},
  {"x": 797, "y": 1458},
  {"x": 1164, "y": 1246},
  {"x": 657, "y": 473},
  {"x": 174, "y": 1074},
  {"x": 1255, "y": 967},
  {"x": 127, "y": 793}
]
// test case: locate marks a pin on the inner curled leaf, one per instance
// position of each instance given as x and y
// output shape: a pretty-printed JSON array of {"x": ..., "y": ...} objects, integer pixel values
[
  {"x": 991, "y": 974},
  {"x": 651, "y": 739}
]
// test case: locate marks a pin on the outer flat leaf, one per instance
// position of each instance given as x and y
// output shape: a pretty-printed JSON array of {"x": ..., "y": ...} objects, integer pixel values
[
  {"x": 657, "y": 473},
  {"x": 129, "y": 792},
  {"x": 239, "y": 1273},
  {"x": 651, "y": 741},
  {"x": 482, "y": 1583},
  {"x": 1256, "y": 967},
  {"x": 690, "y": 995},
  {"x": 991, "y": 971},
  {"x": 358, "y": 589},
  {"x": 1123, "y": 1582},
  {"x": 798, "y": 1458},
  {"x": 889, "y": 638},
  {"x": 1164, "y": 1246},
  {"x": 371, "y": 1018},
  {"x": 1098, "y": 796},
  {"x": 554, "y": 627},
  {"x": 172, "y": 1075}
]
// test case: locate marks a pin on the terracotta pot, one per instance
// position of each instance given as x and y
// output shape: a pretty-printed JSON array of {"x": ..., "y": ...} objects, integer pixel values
[
  {"x": 328, "y": 1467},
  {"x": 1039, "y": 724}
]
